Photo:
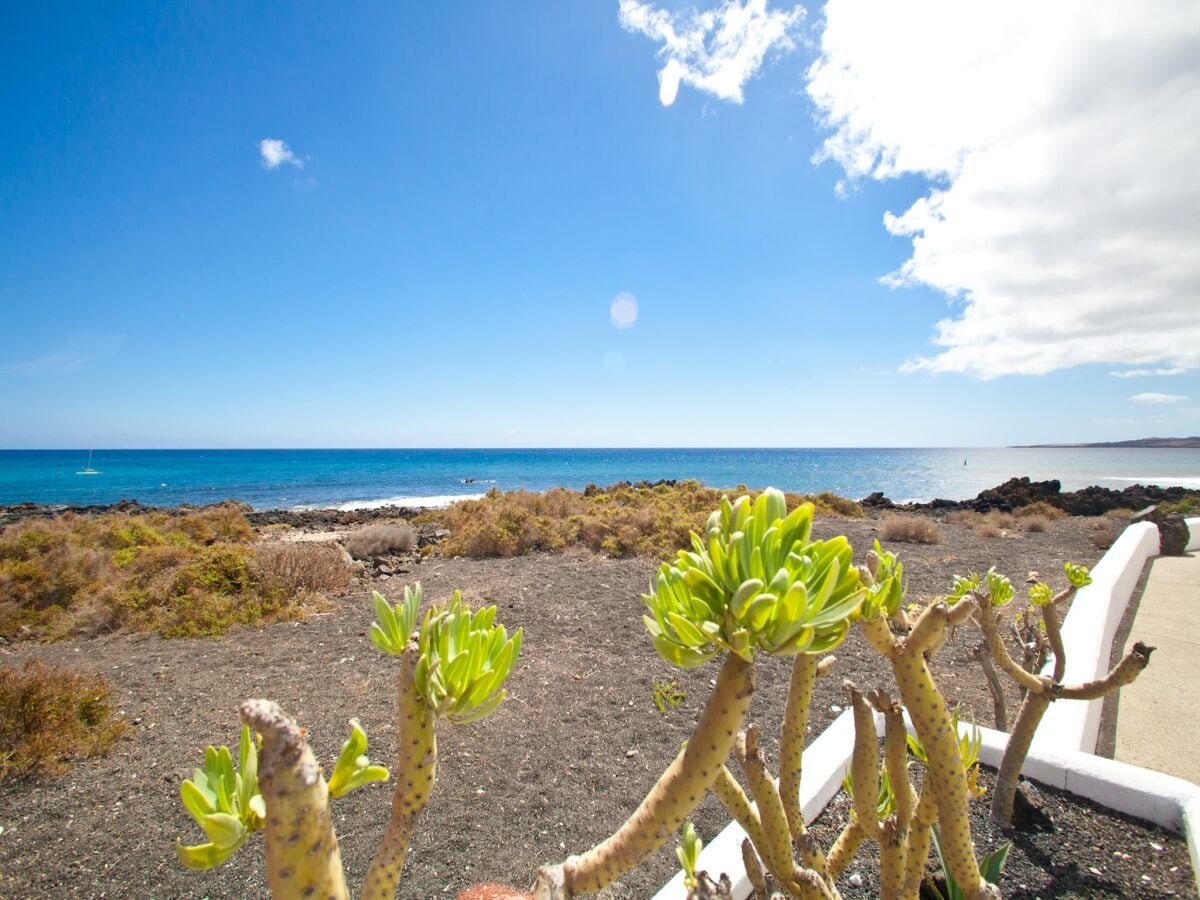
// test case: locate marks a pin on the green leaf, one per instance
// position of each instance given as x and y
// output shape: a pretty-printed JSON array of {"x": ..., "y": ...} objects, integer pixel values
[
  {"x": 195, "y": 801},
  {"x": 202, "y": 857},
  {"x": 223, "y": 829},
  {"x": 353, "y": 768}
]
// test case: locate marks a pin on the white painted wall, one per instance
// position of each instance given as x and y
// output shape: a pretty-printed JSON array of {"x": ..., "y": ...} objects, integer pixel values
[
  {"x": 1088, "y": 633},
  {"x": 1194, "y": 533}
]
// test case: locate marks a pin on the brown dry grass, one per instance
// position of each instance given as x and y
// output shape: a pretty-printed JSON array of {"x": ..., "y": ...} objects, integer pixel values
[
  {"x": 301, "y": 568},
  {"x": 190, "y": 573},
  {"x": 621, "y": 520},
  {"x": 987, "y": 525},
  {"x": 1036, "y": 524},
  {"x": 380, "y": 540},
  {"x": 909, "y": 530},
  {"x": 49, "y": 716},
  {"x": 1042, "y": 510}
]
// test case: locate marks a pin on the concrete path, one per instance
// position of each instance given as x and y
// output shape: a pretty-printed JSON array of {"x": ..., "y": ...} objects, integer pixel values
[{"x": 1158, "y": 725}]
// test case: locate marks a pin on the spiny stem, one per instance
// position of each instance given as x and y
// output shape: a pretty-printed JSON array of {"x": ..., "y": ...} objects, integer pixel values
[{"x": 416, "y": 768}]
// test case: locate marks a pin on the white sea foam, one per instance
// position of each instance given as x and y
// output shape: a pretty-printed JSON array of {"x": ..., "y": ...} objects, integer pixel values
[
  {"x": 436, "y": 502},
  {"x": 1160, "y": 480}
]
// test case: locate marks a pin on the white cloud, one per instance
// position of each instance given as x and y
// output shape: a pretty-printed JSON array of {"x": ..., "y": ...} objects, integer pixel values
[
  {"x": 1062, "y": 141},
  {"x": 716, "y": 51},
  {"x": 275, "y": 153},
  {"x": 1148, "y": 373},
  {"x": 1157, "y": 399}
]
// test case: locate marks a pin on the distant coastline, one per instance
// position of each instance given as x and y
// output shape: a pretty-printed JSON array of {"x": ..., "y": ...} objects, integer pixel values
[{"x": 1185, "y": 443}]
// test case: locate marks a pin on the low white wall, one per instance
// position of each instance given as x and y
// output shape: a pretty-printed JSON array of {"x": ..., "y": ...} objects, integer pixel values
[
  {"x": 1193, "y": 533},
  {"x": 1088, "y": 633}
]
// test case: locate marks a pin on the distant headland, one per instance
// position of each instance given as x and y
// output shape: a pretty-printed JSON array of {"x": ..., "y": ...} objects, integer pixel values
[{"x": 1175, "y": 443}]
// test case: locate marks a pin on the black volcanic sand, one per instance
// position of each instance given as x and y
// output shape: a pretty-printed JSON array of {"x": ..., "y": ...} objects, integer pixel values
[{"x": 570, "y": 753}]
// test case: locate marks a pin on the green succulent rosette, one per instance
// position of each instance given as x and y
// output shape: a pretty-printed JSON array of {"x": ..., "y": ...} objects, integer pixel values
[
  {"x": 464, "y": 658},
  {"x": 996, "y": 587},
  {"x": 755, "y": 581},
  {"x": 1078, "y": 576},
  {"x": 883, "y": 579},
  {"x": 225, "y": 802}
]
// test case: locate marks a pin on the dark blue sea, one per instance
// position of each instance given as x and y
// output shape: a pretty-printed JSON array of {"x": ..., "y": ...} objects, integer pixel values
[{"x": 359, "y": 478}]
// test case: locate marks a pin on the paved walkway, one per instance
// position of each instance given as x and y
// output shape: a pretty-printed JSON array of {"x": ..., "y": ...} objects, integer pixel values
[{"x": 1158, "y": 725}]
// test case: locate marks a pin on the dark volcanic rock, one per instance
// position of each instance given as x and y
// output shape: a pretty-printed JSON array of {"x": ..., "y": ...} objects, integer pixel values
[
  {"x": 1089, "y": 501},
  {"x": 877, "y": 501},
  {"x": 1173, "y": 533},
  {"x": 326, "y": 518},
  {"x": 1015, "y": 493}
]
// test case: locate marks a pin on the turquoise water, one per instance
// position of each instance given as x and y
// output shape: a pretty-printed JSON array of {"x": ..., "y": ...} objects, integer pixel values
[{"x": 305, "y": 478}]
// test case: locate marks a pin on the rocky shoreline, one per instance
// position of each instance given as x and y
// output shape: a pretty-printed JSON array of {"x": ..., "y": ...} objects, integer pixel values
[{"x": 1007, "y": 497}]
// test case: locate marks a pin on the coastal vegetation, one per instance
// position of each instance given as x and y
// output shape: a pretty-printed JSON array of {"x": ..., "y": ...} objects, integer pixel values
[
  {"x": 909, "y": 530},
  {"x": 754, "y": 584},
  {"x": 380, "y": 540},
  {"x": 49, "y": 716},
  {"x": 624, "y": 519},
  {"x": 188, "y": 573}
]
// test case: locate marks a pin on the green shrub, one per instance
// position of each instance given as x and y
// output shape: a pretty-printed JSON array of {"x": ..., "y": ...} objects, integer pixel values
[{"x": 188, "y": 573}]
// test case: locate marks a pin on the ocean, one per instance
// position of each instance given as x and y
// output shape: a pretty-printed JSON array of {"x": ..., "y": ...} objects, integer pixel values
[{"x": 273, "y": 479}]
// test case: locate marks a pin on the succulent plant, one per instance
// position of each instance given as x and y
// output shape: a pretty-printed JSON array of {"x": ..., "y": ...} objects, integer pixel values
[
  {"x": 755, "y": 581},
  {"x": 225, "y": 802}
]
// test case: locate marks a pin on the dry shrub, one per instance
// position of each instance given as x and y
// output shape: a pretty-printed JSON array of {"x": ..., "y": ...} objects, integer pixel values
[
  {"x": 1040, "y": 509},
  {"x": 1121, "y": 515},
  {"x": 301, "y": 568},
  {"x": 909, "y": 530},
  {"x": 966, "y": 517},
  {"x": 625, "y": 519},
  {"x": 190, "y": 572},
  {"x": 380, "y": 540},
  {"x": 1035, "y": 524},
  {"x": 49, "y": 716},
  {"x": 1103, "y": 539},
  {"x": 1002, "y": 520}
]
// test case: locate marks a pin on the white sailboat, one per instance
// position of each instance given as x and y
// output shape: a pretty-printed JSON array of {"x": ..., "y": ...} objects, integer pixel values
[{"x": 88, "y": 470}]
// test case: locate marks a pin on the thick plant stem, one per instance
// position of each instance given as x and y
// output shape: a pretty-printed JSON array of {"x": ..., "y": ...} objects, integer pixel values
[
  {"x": 987, "y": 624},
  {"x": 891, "y": 858},
  {"x": 1126, "y": 671},
  {"x": 945, "y": 776},
  {"x": 893, "y": 834},
  {"x": 1019, "y": 741},
  {"x": 672, "y": 798},
  {"x": 754, "y": 871},
  {"x": 416, "y": 767},
  {"x": 843, "y": 849},
  {"x": 791, "y": 741},
  {"x": 1034, "y": 708},
  {"x": 864, "y": 763},
  {"x": 776, "y": 846},
  {"x": 916, "y": 844},
  {"x": 995, "y": 686},
  {"x": 303, "y": 859},
  {"x": 737, "y": 804}
]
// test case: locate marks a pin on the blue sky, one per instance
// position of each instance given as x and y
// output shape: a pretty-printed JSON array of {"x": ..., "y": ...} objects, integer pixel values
[{"x": 471, "y": 186}]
